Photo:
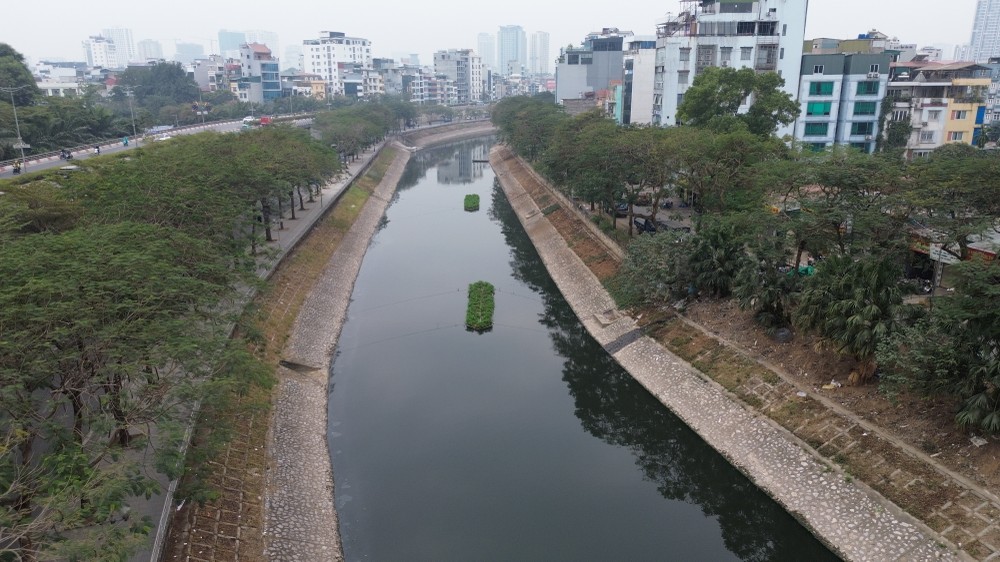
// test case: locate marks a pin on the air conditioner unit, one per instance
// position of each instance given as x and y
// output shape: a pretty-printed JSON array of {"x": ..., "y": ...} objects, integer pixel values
[
  {"x": 873, "y": 75},
  {"x": 923, "y": 123},
  {"x": 869, "y": 137},
  {"x": 725, "y": 63}
]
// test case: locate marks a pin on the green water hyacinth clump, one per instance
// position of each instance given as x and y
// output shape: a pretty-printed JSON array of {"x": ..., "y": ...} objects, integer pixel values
[
  {"x": 472, "y": 202},
  {"x": 479, "y": 315}
]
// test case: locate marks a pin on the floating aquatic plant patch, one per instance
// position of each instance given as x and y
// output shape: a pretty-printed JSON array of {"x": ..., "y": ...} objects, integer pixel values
[
  {"x": 472, "y": 202},
  {"x": 479, "y": 314}
]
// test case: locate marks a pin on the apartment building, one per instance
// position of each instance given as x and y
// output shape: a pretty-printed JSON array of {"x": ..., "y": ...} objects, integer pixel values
[
  {"x": 587, "y": 76},
  {"x": 841, "y": 98},
  {"x": 943, "y": 102},
  {"x": 765, "y": 35},
  {"x": 100, "y": 51},
  {"x": 465, "y": 68},
  {"x": 634, "y": 99},
  {"x": 326, "y": 56},
  {"x": 260, "y": 81},
  {"x": 512, "y": 50}
]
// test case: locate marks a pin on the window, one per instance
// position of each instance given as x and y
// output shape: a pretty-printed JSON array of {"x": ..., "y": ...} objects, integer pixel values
[
  {"x": 726, "y": 54},
  {"x": 819, "y": 68},
  {"x": 869, "y": 88},
  {"x": 682, "y": 78},
  {"x": 862, "y": 129},
  {"x": 865, "y": 108},
  {"x": 685, "y": 55},
  {"x": 927, "y": 137},
  {"x": 746, "y": 53},
  {"x": 821, "y": 89},
  {"x": 784, "y": 30},
  {"x": 873, "y": 68},
  {"x": 816, "y": 129},
  {"x": 956, "y": 136},
  {"x": 959, "y": 115},
  {"x": 819, "y": 108},
  {"x": 934, "y": 115}
]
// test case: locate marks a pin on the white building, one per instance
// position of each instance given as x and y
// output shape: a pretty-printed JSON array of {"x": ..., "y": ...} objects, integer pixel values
[
  {"x": 100, "y": 51},
  {"x": 765, "y": 35},
  {"x": 985, "y": 41},
  {"x": 636, "y": 101},
  {"x": 465, "y": 68},
  {"x": 512, "y": 49},
  {"x": 125, "y": 47},
  {"x": 325, "y": 55},
  {"x": 538, "y": 53},
  {"x": 487, "y": 49}
]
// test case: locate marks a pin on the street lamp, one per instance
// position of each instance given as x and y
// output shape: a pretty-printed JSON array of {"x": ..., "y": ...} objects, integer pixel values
[
  {"x": 17, "y": 125},
  {"x": 128, "y": 93}
]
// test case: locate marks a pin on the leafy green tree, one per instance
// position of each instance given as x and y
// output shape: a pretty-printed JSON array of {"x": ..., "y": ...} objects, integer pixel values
[
  {"x": 717, "y": 258},
  {"x": 158, "y": 85},
  {"x": 656, "y": 270},
  {"x": 951, "y": 350},
  {"x": 853, "y": 303},
  {"x": 15, "y": 74},
  {"x": 716, "y": 95}
]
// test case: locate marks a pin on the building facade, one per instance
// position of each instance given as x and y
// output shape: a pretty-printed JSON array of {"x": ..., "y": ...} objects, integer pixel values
[
  {"x": 465, "y": 69},
  {"x": 124, "y": 46},
  {"x": 149, "y": 49},
  {"x": 634, "y": 103},
  {"x": 538, "y": 53},
  {"x": 259, "y": 76},
  {"x": 486, "y": 46},
  {"x": 326, "y": 55},
  {"x": 210, "y": 73},
  {"x": 841, "y": 99},
  {"x": 985, "y": 42},
  {"x": 587, "y": 76},
  {"x": 512, "y": 50},
  {"x": 765, "y": 35},
  {"x": 100, "y": 51},
  {"x": 944, "y": 103},
  {"x": 230, "y": 41}
]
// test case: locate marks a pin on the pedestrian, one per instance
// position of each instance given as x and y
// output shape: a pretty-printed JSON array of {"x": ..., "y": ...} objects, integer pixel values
[
  {"x": 97, "y": 149},
  {"x": 125, "y": 141}
]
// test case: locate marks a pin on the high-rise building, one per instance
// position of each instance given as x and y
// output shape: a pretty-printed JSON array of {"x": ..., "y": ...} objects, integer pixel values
[
  {"x": 149, "y": 49},
  {"x": 587, "y": 76},
  {"x": 260, "y": 81},
  {"x": 465, "y": 68},
  {"x": 125, "y": 48},
  {"x": 512, "y": 49},
  {"x": 187, "y": 52},
  {"x": 268, "y": 38},
  {"x": 230, "y": 41},
  {"x": 293, "y": 56},
  {"x": 726, "y": 34},
  {"x": 539, "y": 53},
  {"x": 985, "y": 41},
  {"x": 332, "y": 52},
  {"x": 100, "y": 51},
  {"x": 486, "y": 46}
]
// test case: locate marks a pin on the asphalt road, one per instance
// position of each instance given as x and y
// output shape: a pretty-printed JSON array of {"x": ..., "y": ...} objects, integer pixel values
[{"x": 111, "y": 148}]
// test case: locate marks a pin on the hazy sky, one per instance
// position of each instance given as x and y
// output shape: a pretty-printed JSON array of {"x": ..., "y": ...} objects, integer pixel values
[{"x": 56, "y": 28}]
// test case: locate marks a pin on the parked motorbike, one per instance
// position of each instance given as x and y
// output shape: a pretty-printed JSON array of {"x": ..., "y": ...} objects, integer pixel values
[{"x": 65, "y": 155}]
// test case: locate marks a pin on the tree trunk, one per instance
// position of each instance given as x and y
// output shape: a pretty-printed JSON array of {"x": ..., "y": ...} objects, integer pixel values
[
  {"x": 265, "y": 212},
  {"x": 291, "y": 203},
  {"x": 302, "y": 204},
  {"x": 118, "y": 411}
]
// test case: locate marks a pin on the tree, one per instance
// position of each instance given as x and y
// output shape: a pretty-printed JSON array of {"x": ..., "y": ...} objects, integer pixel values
[
  {"x": 715, "y": 97},
  {"x": 14, "y": 74},
  {"x": 158, "y": 85},
  {"x": 853, "y": 303}
]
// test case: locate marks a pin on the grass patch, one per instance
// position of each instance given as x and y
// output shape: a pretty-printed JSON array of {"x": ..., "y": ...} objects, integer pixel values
[
  {"x": 472, "y": 202},
  {"x": 479, "y": 313},
  {"x": 551, "y": 209}
]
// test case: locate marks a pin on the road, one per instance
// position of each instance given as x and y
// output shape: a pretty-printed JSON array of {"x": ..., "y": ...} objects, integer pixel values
[{"x": 111, "y": 148}]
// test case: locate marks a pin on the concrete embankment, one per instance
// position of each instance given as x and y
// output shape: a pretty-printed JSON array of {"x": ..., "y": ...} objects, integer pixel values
[
  {"x": 300, "y": 519},
  {"x": 854, "y": 521}
]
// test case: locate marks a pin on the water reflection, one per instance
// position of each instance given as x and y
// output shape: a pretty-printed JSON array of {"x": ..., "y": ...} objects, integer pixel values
[{"x": 611, "y": 405}]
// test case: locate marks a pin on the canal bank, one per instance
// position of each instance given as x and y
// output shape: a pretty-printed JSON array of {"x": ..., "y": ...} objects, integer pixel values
[{"x": 854, "y": 521}]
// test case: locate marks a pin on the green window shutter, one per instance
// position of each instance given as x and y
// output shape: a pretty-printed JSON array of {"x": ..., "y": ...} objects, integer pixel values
[
  {"x": 821, "y": 88},
  {"x": 817, "y": 129},
  {"x": 862, "y": 128},
  {"x": 819, "y": 108},
  {"x": 867, "y": 88},
  {"x": 865, "y": 108}
]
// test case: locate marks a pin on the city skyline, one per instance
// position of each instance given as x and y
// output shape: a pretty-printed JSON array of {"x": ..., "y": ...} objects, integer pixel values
[{"x": 925, "y": 22}]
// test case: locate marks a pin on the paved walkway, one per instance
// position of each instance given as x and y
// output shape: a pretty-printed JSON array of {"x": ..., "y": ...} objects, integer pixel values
[{"x": 855, "y": 523}]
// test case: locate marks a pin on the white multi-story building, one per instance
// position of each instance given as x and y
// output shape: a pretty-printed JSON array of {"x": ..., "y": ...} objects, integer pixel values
[
  {"x": 635, "y": 104},
  {"x": 465, "y": 68},
  {"x": 100, "y": 51},
  {"x": 538, "y": 53},
  {"x": 765, "y": 35},
  {"x": 124, "y": 46},
  {"x": 512, "y": 49},
  {"x": 841, "y": 97},
  {"x": 325, "y": 55},
  {"x": 487, "y": 48},
  {"x": 149, "y": 49},
  {"x": 985, "y": 41}
]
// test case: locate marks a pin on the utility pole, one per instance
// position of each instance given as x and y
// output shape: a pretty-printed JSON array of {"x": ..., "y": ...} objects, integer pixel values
[
  {"x": 17, "y": 125},
  {"x": 135, "y": 134}
]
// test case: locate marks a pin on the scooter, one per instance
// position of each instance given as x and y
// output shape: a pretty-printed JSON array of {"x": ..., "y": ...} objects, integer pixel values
[{"x": 65, "y": 155}]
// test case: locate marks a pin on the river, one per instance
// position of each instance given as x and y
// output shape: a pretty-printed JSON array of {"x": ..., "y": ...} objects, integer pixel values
[{"x": 524, "y": 443}]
